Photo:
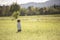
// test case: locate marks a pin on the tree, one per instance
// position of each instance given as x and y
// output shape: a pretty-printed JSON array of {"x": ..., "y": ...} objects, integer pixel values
[
  {"x": 31, "y": 10},
  {"x": 15, "y": 9},
  {"x": 23, "y": 11},
  {"x": 15, "y": 14}
]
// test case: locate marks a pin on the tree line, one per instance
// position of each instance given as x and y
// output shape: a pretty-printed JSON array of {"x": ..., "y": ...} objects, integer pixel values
[{"x": 15, "y": 10}]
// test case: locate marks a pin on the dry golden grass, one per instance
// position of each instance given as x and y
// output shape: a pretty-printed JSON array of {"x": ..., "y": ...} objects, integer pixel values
[{"x": 33, "y": 28}]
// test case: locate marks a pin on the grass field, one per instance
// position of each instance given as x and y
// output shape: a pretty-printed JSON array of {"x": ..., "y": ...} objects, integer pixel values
[{"x": 44, "y": 27}]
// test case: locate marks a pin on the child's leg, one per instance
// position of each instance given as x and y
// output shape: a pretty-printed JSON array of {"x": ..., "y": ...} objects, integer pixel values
[{"x": 19, "y": 30}]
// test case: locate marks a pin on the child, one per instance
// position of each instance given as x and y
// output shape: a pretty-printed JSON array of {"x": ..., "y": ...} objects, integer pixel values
[{"x": 18, "y": 25}]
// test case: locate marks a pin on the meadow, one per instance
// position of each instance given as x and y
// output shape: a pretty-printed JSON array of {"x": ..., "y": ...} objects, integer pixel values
[{"x": 43, "y": 27}]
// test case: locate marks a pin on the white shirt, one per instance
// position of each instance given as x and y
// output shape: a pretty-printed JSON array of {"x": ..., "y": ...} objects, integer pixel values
[{"x": 18, "y": 25}]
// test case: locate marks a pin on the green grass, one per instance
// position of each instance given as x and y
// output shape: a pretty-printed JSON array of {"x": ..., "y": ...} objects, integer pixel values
[{"x": 33, "y": 28}]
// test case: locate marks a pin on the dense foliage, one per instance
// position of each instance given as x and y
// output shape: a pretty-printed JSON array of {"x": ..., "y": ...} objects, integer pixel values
[{"x": 12, "y": 9}]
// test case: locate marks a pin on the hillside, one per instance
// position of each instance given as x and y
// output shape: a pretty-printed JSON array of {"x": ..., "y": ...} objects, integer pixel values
[{"x": 40, "y": 5}]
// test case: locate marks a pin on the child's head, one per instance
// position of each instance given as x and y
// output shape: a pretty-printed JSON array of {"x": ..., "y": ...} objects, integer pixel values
[{"x": 18, "y": 20}]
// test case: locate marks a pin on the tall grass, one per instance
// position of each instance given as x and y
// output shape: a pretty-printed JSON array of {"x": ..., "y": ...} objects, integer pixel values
[{"x": 33, "y": 28}]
